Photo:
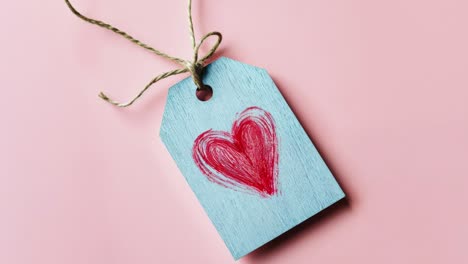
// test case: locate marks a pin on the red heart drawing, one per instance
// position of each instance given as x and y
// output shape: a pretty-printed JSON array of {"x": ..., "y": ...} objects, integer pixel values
[{"x": 246, "y": 159}]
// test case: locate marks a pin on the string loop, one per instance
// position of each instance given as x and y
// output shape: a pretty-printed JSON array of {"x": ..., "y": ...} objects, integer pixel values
[{"x": 194, "y": 67}]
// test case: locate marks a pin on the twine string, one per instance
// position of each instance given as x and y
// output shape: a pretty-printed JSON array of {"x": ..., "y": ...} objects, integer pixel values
[{"x": 194, "y": 66}]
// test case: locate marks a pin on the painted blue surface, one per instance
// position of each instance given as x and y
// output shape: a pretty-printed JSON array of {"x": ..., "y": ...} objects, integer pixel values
[{"x": 246, "y": 222}]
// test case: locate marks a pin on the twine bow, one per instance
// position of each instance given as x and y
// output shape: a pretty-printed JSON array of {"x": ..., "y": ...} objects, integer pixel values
[{"x": 194, "y": 66}]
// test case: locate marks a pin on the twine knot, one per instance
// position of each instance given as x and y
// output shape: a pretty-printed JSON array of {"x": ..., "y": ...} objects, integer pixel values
[
  {"x": 196, "y": 70},
  {"x": 194, "y": 67}
]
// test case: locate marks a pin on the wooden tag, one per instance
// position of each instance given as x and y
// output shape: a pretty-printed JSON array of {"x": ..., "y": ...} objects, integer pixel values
[{"x": 245, "y": 155}]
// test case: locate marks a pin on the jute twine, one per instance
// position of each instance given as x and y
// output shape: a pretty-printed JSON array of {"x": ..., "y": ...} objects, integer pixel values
[{"x": 193, "y": 66}]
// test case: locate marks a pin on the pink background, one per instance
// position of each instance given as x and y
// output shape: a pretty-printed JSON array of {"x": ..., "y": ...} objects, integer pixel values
[{"x": 380, "y": 86}]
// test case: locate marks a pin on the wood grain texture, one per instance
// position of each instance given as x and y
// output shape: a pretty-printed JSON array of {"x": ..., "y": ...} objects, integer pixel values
[{"x": 306, "y": 185}]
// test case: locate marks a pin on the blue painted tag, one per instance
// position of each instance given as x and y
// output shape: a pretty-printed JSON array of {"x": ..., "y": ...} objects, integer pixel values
[{"x": 245, "y": 155}]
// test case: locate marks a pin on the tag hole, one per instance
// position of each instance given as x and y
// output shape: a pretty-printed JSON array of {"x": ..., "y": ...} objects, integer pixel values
[{"x": 204, "y": 94}]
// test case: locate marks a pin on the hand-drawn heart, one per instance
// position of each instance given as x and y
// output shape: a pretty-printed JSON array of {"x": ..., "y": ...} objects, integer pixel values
[{"x": 246, "y": 159}]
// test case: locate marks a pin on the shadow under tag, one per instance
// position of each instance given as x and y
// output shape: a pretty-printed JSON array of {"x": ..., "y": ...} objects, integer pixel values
[{"x": 245, "y": 155}]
